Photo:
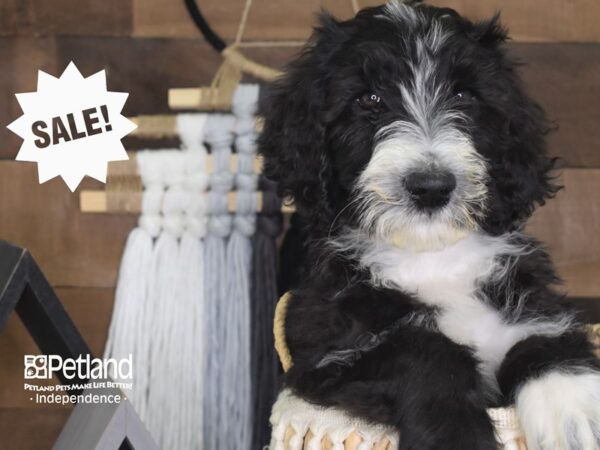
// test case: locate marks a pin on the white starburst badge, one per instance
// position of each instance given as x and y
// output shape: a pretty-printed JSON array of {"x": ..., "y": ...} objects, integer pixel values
[{"x": 72, "y": 126}]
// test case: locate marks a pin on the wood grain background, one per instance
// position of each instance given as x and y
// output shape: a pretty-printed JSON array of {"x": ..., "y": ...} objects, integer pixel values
[{"x": 148, "y": 46}]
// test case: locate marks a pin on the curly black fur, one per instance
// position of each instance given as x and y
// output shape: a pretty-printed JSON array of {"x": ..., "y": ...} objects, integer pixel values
[
  {"x": 310, "y": 113},
  {"x": 374, "y": 348}
]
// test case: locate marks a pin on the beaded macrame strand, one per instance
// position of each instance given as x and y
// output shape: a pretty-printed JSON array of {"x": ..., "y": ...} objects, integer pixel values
[
  {"x": 183, "y": 305},
  {"x": 219, "y": 135},
  {"x": 130, "y": 314},
  {"x": 237, "y": 385},
  {"x": 192, "y": 351},
  {"x": 158, "y": 314},
  {"x": 165, "y": 308}
]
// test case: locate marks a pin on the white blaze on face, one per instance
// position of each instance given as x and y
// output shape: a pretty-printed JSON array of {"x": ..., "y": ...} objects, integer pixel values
[{"x": 428, "y": 139}]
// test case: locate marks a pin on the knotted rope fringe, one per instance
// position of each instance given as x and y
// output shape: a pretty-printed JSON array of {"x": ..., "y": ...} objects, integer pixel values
[
  {"x": 129, "y": 322},
  {"x": 264, "y": 366},
  {"x": 237, "y": 393},
  {"x": 192, "y": 350},
  {"x": 189, "y": 319},
  {"x": 219, "y": 135},
  {"x": 166, "y": 311},
  {"x": 299, "y": 425},
  {"x": 158, "y": 307}
]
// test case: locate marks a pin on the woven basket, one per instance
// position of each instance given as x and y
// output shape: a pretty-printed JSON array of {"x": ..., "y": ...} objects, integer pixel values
[{"x": 298, "y": 425}]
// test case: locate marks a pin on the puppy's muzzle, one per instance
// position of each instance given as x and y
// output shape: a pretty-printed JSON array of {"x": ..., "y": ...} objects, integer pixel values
[{"x": 430, "y": 190}]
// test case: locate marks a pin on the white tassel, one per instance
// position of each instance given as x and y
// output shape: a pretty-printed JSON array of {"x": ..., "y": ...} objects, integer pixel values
[
  {"x": 511, "y": 445},
  {"x": 237, "y": 395},
  {"x": 239, "y": 260},
  {"x": 316, "y": 441},
  {"x": 297, "y": 440},
  {"x": 128, "y": 306},
  {"x": 293, "y": 413},
  {"x": 366, "y": 445},
  {"x": 130, "y": 314},
  {"x": 165, "y": 309},
  {"x": 159, "y": 312},
  {"x": 218, "y": 433},
  {"x": 191, "y": 132},
  {"x": 150, "y": 168}
]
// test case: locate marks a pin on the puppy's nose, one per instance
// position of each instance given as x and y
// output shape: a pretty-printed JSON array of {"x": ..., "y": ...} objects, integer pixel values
[{"x": 430, "y": 189}]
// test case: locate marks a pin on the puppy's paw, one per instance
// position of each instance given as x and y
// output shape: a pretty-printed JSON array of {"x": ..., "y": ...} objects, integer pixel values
[{"x": 561, "y": 411}]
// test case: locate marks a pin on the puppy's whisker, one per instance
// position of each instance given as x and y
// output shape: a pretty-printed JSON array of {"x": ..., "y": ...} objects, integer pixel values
[{"x": 338, "y": 215}]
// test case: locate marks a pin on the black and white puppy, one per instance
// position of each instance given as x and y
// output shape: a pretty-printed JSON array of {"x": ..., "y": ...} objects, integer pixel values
[{"x": 407, "y": 142}]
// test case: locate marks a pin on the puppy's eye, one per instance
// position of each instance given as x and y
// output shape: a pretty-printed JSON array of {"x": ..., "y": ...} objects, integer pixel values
[
  {"x": 369, "y": 101},
  {"x": 465, "y": 97}
]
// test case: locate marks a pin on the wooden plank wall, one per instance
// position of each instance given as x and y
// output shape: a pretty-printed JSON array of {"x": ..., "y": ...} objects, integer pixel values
[{"x": 147, "y": 46}]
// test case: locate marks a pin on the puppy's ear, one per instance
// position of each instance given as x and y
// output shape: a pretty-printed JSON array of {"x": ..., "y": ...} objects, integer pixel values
[
  {"x": 490, "y": 32},
  {"x": 523, "y": 173},
  {"x": 293, "y": 137}
]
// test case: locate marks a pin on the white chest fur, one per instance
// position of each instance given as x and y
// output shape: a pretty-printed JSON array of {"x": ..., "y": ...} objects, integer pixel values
[{"x": 449, "y": 279}]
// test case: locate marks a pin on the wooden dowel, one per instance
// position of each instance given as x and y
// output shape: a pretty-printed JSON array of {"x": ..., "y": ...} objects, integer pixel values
[
  {"x": 200, "y": 99},
  {"x": 186, "y": 98},
  {"x": 129, "y": 167},
  {"x": 165, "y": 125},
  {"x": 156, "y": 126},
  {"x": 130, "y": 202}
]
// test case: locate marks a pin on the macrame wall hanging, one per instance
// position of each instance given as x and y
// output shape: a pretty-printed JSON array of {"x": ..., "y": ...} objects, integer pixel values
[
  {"x": 197, "y": 284},
  {"x": 191, "y": 306}
]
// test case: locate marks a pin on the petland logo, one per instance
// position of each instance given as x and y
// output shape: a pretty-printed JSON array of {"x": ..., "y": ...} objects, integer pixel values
[{"x": 42, "y": 367}]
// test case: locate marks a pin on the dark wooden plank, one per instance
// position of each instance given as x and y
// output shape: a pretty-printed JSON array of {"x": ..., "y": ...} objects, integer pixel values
[
  {"x": 267, "y": 19},
  {"x": 555, "y": 21},
  {"x": 89, "y": 308},
  {"x": 583, "y": 280},
  {"x": 568, "y": 224},
  {"x": 289, "y": 19},
  {"x": 22, "y": 58},
  {"x": 564, "y": 78},
  {"x": 146, "y": 68},
  {"x": 66, "y": 17},
  {"x": 31, "y": 428},
  {"x": 165, "y": 18},
  {"x": 547, "y": 21},
  {"x": 73, "y": 249}
]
